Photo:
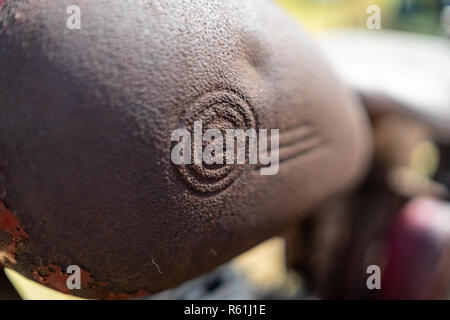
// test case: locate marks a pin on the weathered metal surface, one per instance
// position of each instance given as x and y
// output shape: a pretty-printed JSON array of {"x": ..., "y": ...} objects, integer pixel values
[{"x": 86, "y": 118}]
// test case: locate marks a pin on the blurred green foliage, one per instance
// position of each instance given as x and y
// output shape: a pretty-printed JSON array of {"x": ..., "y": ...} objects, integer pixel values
[{"x": 409, "y": 15}]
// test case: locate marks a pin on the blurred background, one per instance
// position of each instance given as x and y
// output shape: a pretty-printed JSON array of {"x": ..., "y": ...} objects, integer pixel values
[
  {"x": 399, "y": 218},
  {"x": 424, "y": 16}
]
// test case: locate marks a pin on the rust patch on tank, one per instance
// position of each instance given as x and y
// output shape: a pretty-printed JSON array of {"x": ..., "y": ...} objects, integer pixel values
[
  {"x": 12, "y": 227},
  {"x": 125, "y": 296},
  {"x": 52, "y": 276},
  {"x": 10, "y": 224}
]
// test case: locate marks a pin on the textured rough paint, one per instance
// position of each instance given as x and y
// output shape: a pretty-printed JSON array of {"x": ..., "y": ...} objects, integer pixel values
[
  {"x": 52, "y": 276},
  {"x": 12, "y": 226}
]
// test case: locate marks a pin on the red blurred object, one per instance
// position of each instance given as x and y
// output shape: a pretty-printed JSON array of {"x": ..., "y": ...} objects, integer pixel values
[{"x": 418, "y": 264}]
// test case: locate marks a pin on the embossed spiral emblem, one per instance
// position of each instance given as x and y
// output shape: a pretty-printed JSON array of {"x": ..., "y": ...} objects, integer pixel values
[{"x": 220, "y": 110}]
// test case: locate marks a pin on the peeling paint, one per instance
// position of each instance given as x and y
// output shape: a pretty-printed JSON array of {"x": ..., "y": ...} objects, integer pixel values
[
  {"x": 12, "y": 226},
  {"x": 52, "y": 276},
  {"x": 6, "y": 257},
  {"x": 125, "y": 296}
]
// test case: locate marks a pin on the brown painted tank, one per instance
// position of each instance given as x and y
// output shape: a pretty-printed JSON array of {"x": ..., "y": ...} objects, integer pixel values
[{"x": 85, "y": 137}]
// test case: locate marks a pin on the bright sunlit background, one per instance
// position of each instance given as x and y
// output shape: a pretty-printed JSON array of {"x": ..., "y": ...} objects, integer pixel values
[{"x": 425, "y": 16}]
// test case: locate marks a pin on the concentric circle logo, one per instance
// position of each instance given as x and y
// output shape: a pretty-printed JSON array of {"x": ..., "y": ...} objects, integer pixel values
[{"x": 219, "y": 110}]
